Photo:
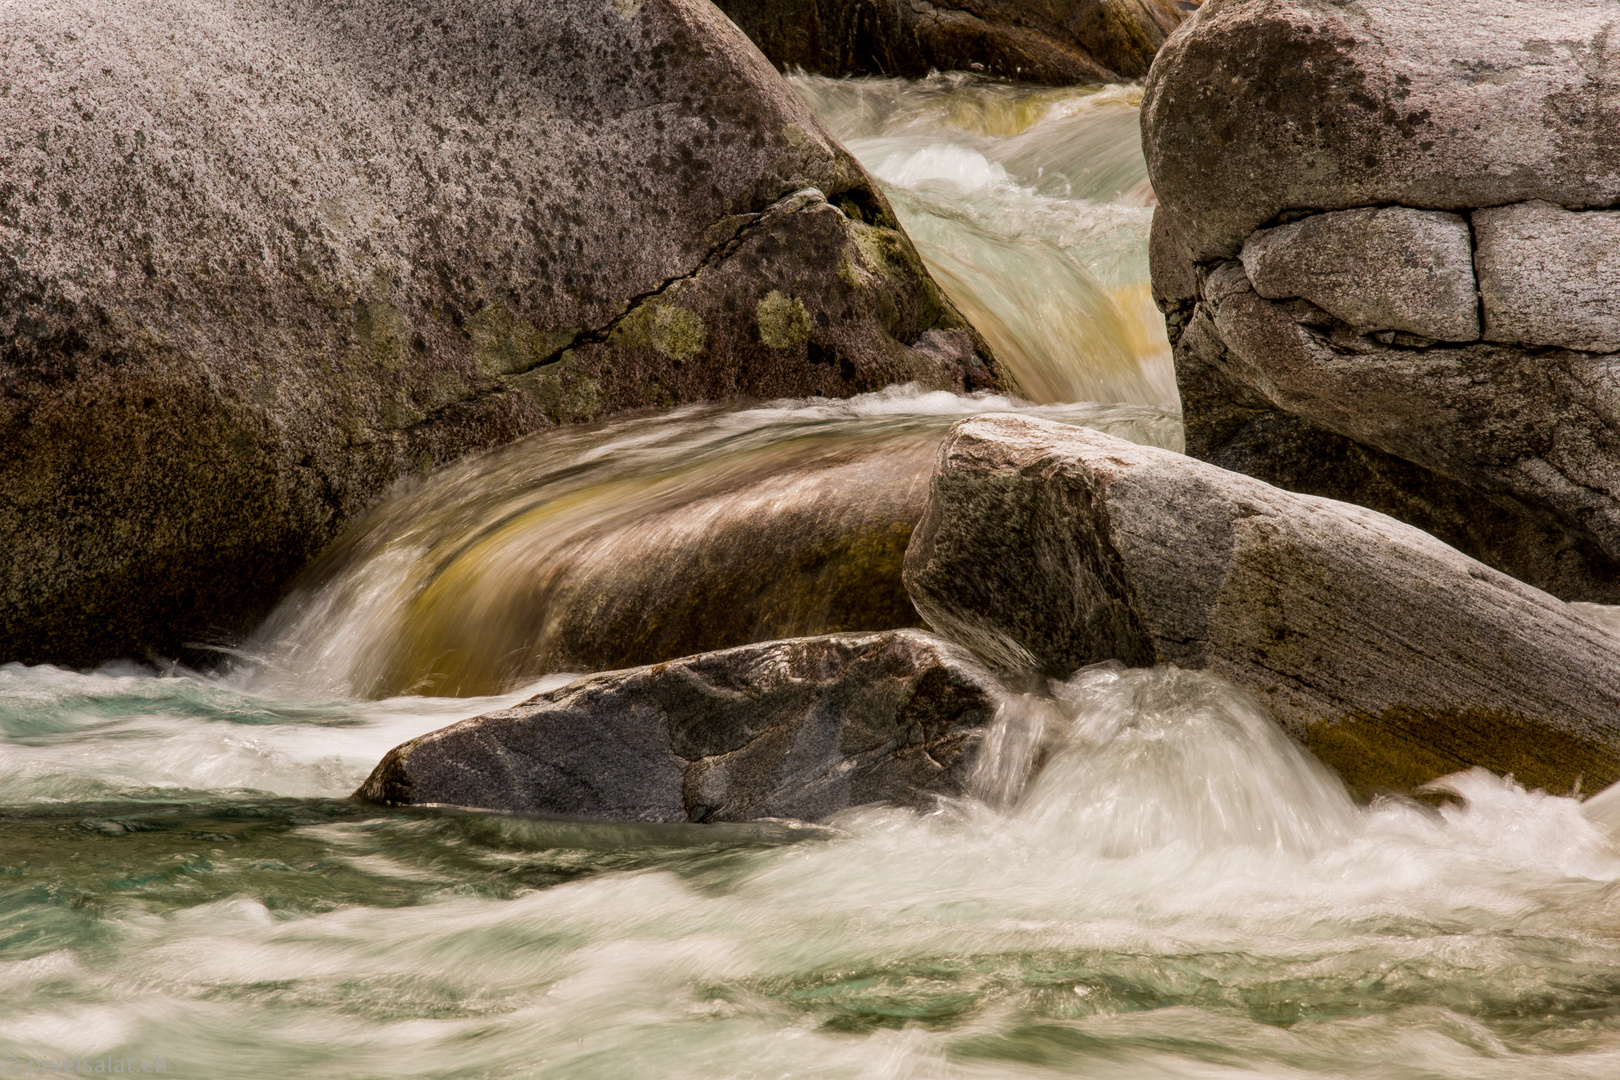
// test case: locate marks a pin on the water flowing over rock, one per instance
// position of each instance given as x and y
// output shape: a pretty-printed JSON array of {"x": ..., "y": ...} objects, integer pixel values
[
  {"x": 1393, "y": 657},
  {"x": 257, "y": 262},
  {"x": 1073, "y": 41},
  {"x": 1372, "y": 166},
  {"x": 631, "y": 542},
  {"x": 797, "y": 729}
]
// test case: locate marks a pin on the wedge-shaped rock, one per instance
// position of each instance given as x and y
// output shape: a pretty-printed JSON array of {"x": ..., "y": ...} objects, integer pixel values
[
  {"x": 1550, "y": 276},
  {"x": 800, "y": 728},
  {"x": 1392, "y": 656},
  {"x": 1376, "y": 268},
  {"x": 260, "y": 260}
]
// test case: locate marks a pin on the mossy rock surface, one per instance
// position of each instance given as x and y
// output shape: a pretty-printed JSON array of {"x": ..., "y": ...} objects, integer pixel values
[{"x": 256, "y": 268}]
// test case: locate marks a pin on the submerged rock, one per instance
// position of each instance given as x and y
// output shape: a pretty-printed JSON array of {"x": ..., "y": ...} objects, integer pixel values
[
  {"x": 795, "y": 729},
  {"x": 1342, "y": 153},
  {"x": 1074, "y": 41},
  {"x": 1393, "y": 657},
  {"x": 257, "y": 264},
  {"x": 792, "y": 544}
]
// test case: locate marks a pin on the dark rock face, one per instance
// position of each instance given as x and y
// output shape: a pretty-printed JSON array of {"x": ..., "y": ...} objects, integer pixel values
[
  {"x": 1393, "y": 657},
  {"x": 257, "y": 265},
  {"x": 799, "y": 729},
  {"x": 1423, "y": 317},
  {"x": 1072, "y": 41}
]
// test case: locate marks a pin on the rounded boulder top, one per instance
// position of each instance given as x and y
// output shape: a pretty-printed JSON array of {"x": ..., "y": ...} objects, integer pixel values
[
  {"x": 259, "y": 260},
  {"x": 1255, "y": 107}
]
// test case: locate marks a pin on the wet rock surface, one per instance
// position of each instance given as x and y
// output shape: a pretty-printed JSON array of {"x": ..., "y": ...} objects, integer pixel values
[
  {"x": 1395, "y": 658},
  {"x": 1073, "y": 41},
  {"x": 256, "y": 265},
  {"x": 796, "y": 729},
  {"x": 1341, "y": 153}
]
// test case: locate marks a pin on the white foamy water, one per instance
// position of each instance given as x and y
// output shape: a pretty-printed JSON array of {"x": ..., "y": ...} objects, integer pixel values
[{"x": 1179, "y": 892}]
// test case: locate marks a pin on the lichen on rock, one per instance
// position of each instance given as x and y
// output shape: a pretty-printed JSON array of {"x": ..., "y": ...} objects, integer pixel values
[
  {"x": 783, "y": 320},
  {"x": 338, "y": 243}
]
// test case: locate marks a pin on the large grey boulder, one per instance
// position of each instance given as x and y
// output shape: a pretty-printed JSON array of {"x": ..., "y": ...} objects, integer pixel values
[
  {"x": 1393, "y": 657},
  {"x": 1256, "y": 107},
  {"x": 1341, "y": 153},
  {"x": 259, "y": 261},
  {"x": 1069, "y": 41},
  {"x": 795, "y": 729}
]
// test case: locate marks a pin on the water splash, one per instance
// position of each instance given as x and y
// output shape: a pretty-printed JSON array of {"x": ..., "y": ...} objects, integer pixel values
[
  {"x": 1264, "y": 929},
  {"x": 1031, "y": 207},
  {"x": 1119, "y": 762}
]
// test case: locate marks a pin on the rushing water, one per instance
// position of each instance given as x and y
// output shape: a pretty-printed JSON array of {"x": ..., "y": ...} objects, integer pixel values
[
  {"x": 1031, "y": 207},
  {"x": 1149, "y": 879},
  {"x": 1179, "y": 892},
  {"x": 497, "y": 571}
]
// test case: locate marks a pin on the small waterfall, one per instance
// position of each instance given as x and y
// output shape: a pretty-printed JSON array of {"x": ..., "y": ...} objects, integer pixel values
[
  {"x": 633, "y": 542},
  {"x": 1031, "y": 207},
  {"x": 637, "y": 541}
]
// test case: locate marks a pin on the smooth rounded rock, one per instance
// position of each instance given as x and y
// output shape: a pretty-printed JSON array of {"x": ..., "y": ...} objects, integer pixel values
[
  {"x": 1254, "y": 107},
  {"x": 260, "y": 260},
  {"x": 1377, "y": 268}
]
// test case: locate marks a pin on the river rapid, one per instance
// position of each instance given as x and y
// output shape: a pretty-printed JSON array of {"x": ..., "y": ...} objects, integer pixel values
[{"x": 1178, "y": 891}]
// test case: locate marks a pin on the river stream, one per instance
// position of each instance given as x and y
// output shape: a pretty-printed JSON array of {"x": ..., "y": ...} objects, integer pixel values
[{"x": 1179, "y": 891}]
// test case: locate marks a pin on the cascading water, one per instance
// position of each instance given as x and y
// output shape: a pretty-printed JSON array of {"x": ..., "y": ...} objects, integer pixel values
[
  {"x": 1148, "y": 879},
  {"x": 547, "y": 556},
  {"x": 1031, "y": 207}
]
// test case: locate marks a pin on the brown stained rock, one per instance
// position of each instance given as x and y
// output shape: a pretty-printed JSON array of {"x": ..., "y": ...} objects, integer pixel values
[
  {"x": 1550, "y": 276},
  {"x": 1376, "y": 268},
  {"x": 1392, "y": 656},
  {"x": 1071, "y": 41},
  {"x": 789, "y": 729},
  {"x": 257, "y": 263}
]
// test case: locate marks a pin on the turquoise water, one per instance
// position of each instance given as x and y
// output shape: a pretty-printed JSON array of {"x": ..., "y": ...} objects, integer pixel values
[{"x": 1180, "y": 893}]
